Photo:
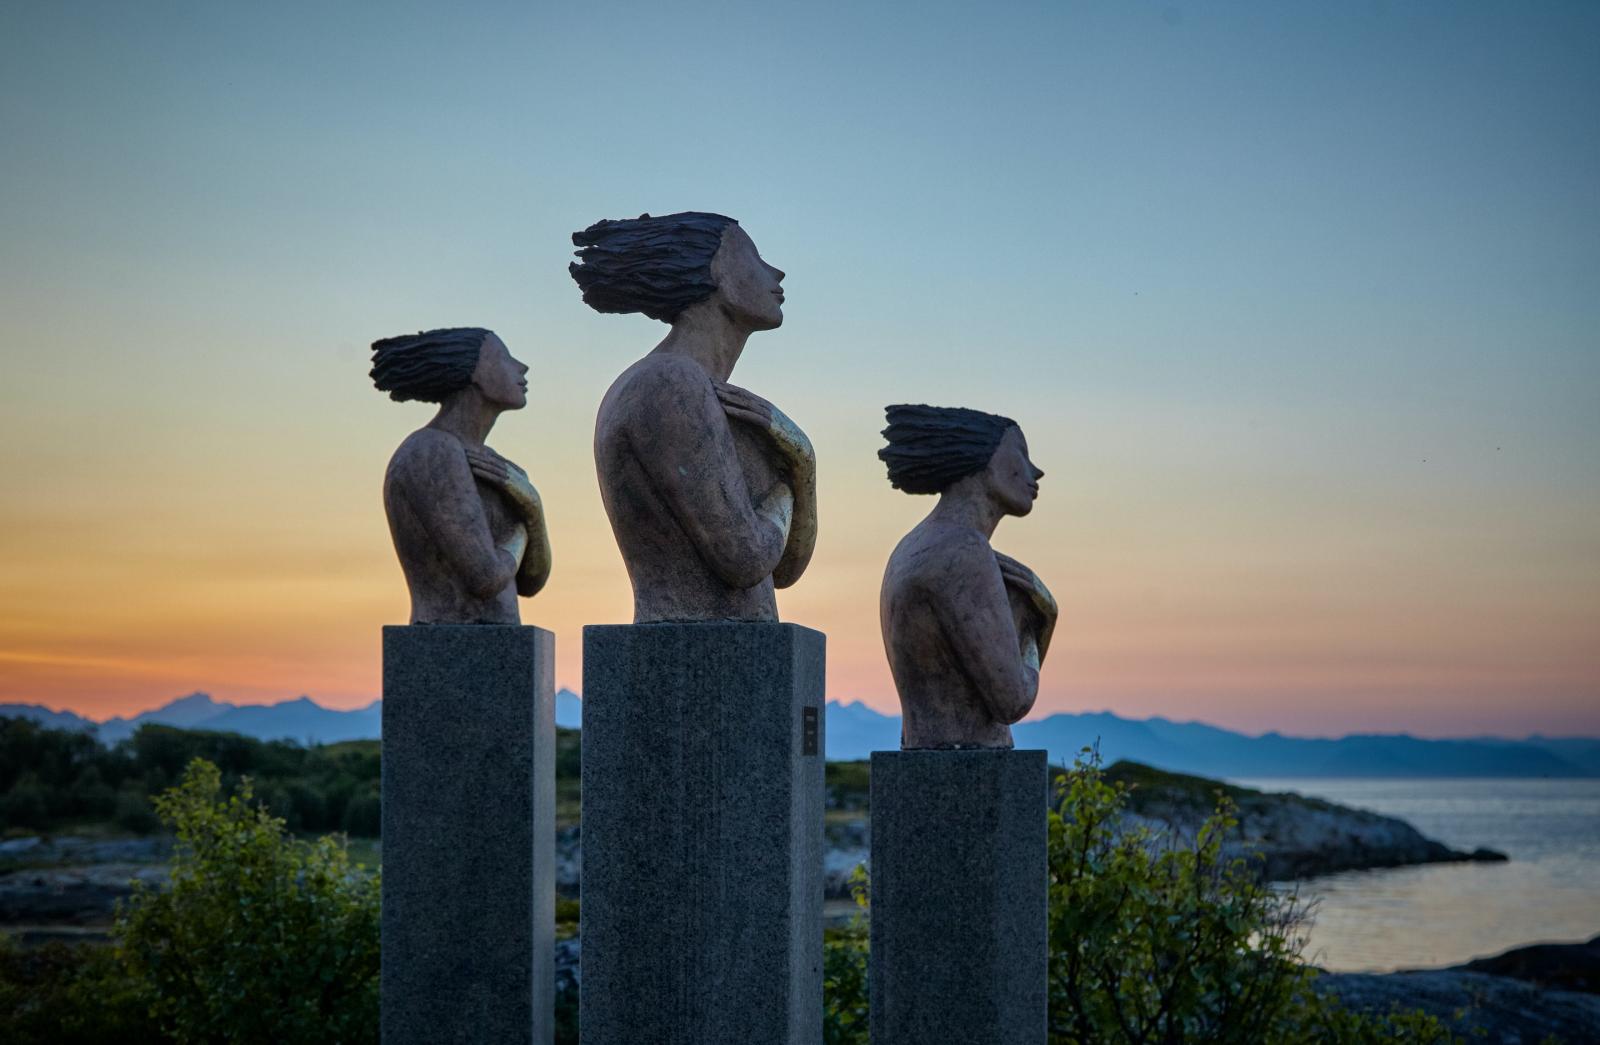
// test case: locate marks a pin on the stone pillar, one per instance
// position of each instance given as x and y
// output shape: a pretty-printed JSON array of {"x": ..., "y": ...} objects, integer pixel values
[
  {"x": 959, "y": 898},
  {"x": 468, "y": 835},
  {"x": 702, "y": 834}
]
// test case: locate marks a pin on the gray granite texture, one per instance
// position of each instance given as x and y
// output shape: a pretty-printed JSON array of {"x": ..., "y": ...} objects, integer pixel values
[
  {"x": 959, "y": 891},
  {"x": 468, "y": 835},
  {"x": 702, "y": 834}
]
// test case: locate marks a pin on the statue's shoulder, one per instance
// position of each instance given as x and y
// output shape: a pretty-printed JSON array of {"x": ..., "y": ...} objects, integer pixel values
[
  {"x": 927, "y": 556},
  {"x": 424, "y": 450},
  {"x": 668, "y": 373},
  {"x": 658, "y": 387}
]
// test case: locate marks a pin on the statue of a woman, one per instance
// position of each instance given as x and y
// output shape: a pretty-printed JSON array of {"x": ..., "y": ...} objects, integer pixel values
[
  {"x": 964, "y": 626},
  {"x": 467, "y": 524},
  {"x": 710, "y": 489}
]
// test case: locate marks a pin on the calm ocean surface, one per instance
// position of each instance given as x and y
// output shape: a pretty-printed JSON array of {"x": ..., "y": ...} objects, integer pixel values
[{"x": 1449, "y": 913}]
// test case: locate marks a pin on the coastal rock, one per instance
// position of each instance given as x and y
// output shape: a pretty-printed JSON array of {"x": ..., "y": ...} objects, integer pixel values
[
  {"x": 71, "y": 895},
  {"x": 1475, "y": 1005},
  {"x": 1558, "y": 966},
  {"x": 1287, "y": 836},
  {"x": 71, "y": 850}
]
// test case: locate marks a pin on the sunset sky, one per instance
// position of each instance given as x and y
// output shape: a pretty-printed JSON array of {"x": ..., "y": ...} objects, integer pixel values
[{"x": 1298, "y": 305}]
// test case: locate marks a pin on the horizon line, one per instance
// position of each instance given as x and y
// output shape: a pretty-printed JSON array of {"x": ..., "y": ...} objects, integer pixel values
[{"x": 845, "y": 703}]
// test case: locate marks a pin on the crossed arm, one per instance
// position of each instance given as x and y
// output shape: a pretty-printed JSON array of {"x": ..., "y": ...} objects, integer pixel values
[
  {"x": 689, "y": 455},
  {"x": 974, "y": 613},
  {"x": 533, "y": 559},
  {"x": 794, "y": 448},
  {"x": 441, "y": 492}
]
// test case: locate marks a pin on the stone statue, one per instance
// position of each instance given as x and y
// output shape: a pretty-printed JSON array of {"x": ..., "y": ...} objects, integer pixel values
[
  {"x": 467, "y": 524},
  {"x": 710, "y": 489},
  {"x": 965, "y": 627}
]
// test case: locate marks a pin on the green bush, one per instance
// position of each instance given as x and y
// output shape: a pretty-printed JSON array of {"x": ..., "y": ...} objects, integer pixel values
[
  {"x": 1150, "y": 944},
  {"x": 844, "y": 974},
  {"x": 61, "y": 994},
  {"x": 1153, "y": 943},
  {"x": 257, "y": 937}
]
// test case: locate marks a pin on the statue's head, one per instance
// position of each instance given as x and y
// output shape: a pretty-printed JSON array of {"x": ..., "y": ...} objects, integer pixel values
[
  {"x": 664, "y": 266},
  {"x": 434, "y": 365},
  {"x": 933, "y": 449}
]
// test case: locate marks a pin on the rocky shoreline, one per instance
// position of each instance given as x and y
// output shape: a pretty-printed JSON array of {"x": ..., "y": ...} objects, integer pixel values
[
  {"x": 76, "y": 881},
  {"x": 1525, "y": 995},
  {"x": 1288, "y": 837}
]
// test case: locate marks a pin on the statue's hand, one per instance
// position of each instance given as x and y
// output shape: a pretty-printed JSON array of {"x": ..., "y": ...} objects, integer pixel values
[
  {"x": 512, "y": 481},
  {"x": 744, "y": 405},
  {"x": 1015, "y": 575}
]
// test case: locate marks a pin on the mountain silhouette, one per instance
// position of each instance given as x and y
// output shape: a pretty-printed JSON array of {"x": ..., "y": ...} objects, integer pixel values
[{"x": 855, "y": 730}]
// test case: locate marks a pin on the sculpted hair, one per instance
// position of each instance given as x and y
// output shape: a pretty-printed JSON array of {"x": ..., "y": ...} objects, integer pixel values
[
  {"x": 658, "y": 266},
  {"x": 932, "y": 447},
  {"x": 427, "y": 366}
]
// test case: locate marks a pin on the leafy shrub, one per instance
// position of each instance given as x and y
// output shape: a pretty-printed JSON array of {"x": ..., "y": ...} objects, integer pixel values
[
  {"x": 257, "y": 938},
  {"x": 69, "y": 995},
  {"x": 844, "y": 974},
  {"x": 1153, "y": 945},
  {"x": 1150, "y": 943}
]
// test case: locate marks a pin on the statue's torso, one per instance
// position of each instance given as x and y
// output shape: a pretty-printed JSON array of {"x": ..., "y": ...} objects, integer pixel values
[
  {"x": 941, "y": 707},
  {"x": 670, "y": 580},
  {"x": 437, "y": 593}
]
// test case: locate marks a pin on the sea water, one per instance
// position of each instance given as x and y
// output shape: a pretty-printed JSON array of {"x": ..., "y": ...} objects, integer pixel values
[{"x": 1445, "y": 914}]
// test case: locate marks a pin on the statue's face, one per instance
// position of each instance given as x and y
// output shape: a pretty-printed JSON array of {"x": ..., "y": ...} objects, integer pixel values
[
  {"x": 500, "y": 376},
  {"x": 1013, "y": 479},
  {"x": 747, "y": 287}
]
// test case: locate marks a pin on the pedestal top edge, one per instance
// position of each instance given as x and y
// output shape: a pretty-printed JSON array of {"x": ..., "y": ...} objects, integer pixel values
[
  {"x": 697, "y": 625},
  {"x": 1030, "y": 754},
  {"x": 462, "y": 629}
]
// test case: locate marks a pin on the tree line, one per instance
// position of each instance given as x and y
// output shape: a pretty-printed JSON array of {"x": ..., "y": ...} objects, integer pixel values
[{"x": 60, "y": 779}]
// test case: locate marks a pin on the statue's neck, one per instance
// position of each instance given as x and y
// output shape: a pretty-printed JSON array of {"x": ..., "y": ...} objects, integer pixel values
[
  {"x": 966, "y": 504},
  {"x": 467, "y": 416},
  {"x": 706, "y": 334}
]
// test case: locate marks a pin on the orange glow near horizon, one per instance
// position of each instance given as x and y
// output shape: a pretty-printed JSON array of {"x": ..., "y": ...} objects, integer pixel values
[{"x": 1214, "y": 614}]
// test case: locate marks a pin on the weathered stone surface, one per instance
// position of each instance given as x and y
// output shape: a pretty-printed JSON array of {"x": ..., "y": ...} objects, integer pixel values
[
  {"x": 966, "y": 628},
  {"x": 960, "y": 945},
  {"x": 710, "y": 489},
  {"x": 468, "y": 834},
  {"x": 702, "y": 834}
]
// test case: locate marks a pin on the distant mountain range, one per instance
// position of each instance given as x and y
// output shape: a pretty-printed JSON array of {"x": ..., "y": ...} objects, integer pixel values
[
  {"x": 855, "y": 730},
  {"x": 302, "y": 719}
]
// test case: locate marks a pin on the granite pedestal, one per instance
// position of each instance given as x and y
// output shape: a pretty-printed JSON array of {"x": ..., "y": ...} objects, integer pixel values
[
  {"x": 959, "y": 896},
  {"x": 702, "y": 834},
  {"x": 468, "y": 835}
]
